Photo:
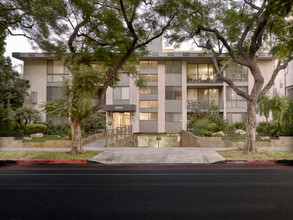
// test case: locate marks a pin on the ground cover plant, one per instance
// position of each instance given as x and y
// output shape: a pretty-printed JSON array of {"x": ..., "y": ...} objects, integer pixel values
[{"x": 261, "y": 154}]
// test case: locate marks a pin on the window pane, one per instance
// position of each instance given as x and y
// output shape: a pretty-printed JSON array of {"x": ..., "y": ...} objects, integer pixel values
[
  {"x": 177, "y": 93},
  {"x": 214, "y": 94},
  {"x": 169, "y": 92},
  {"x": 203, "y": 71},
  {"x": 49, "y": 78},
  {"x": 153, "y": 90},
  {"x": 153, "y": 104},
  {"x": 153, "y": 78},
  {"x": 125, "y": 93},
  {"x": 117, "y": 93},
  {"x": 169, "y": 117},
  {"x": 153, "y": 64},
  {"x": 143, "y": 64},
  {"x": 192, "y": 69},
  {"x": 203, "y": 94},
  {"x": 169, "y": 66},
  {"x": 143, "y": 116},
  {"x": 192, "y": 94},
  {"x": 143, "y": 104},
  {"x": 50, "y": 66},
  {"x": 177, "y": 117},
  {"x": 177, "y": 67},
  {"x": 144, "y": 91},
  {"x": 153, "y": 116}
]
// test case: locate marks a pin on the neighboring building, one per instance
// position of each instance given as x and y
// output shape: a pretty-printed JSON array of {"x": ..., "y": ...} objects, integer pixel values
[
  {"x": 289, "y": 80},
  {"x": 176, "y": 81}
]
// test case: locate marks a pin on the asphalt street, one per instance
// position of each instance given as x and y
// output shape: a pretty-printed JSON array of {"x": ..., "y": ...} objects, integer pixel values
[{"x": 146, "y": 192}]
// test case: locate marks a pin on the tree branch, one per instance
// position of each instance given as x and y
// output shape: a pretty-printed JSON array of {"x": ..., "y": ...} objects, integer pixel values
[
  {"x": 74, "y": 35},
  {"x": 224, "y": 42},
  {"x": 274, "y": 75},
  {"x": 256, "y": 40}
]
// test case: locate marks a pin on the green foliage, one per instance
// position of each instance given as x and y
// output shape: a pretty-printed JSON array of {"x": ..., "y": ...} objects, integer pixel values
[
  {"x": 61, "y": 130},
  {"x": 96, "y": 121},
  {"x": 208, "y": 111},
  {"x": 8, "y": 125},
  {"x": 27, "y": 115},
  {"x": 35, "y": 128},
  {"x": 268, "y": 129},
  {"x": 239, "y": 125},
  {"x": 12, "y": 87},
  {"x": 199, "y": 126}
]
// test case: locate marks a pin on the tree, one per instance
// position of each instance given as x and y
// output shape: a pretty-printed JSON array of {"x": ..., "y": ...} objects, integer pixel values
[
  {"x": 112, "y": 34},
  {"x": 13, "y": 88},
  {"x": 236, "y": 31}
]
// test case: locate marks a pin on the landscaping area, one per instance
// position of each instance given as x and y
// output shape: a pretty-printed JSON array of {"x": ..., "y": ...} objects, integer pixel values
[
  {"x": 261, "y": 154},
  {"x": 45, "y": 155}
]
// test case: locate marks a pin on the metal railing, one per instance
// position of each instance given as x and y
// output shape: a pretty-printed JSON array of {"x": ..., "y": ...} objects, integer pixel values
[
  {"x": 204, "y": 104},
  {"x": 116, "y": 134},
  {"x": 197, "y": 78}
]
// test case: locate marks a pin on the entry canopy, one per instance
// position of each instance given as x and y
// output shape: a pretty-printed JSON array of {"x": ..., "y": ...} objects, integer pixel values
[{"x": 119, "y": 108}]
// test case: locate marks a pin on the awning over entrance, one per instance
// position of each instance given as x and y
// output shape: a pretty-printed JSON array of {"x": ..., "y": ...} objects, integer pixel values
[{"x": 119, "y": 108}]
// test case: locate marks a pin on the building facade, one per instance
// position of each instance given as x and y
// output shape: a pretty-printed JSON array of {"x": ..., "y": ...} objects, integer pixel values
[{"x": 176, "y": 83}]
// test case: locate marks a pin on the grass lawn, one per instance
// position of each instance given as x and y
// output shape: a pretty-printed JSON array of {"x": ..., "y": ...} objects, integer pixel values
[
  {"x": 47, "y": 138},
  {"x": 262, "y": 154},
  {"x": 44, "y": 155},
  {"x": 240, "y": 138}
]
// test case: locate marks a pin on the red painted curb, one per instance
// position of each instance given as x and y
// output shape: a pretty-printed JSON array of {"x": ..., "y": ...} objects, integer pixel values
[
  {"x": 51, "y": 161},
  {"x": 251, "y": 161}
]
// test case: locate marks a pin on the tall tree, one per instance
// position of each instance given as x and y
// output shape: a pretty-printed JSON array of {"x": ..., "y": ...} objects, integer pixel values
[
  {"x": 237, "y": 31},
  {"x": 110, "y": 33}
]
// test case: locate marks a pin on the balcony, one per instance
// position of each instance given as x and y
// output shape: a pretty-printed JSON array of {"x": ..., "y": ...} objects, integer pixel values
[
  {"x": 203, "y": 78},
  {"x": 204, "y": 104},
  {"x": 236, "y": 104}
]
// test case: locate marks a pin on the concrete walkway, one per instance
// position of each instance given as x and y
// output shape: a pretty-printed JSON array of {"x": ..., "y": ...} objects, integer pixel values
[{"x": 157, "y": 155}]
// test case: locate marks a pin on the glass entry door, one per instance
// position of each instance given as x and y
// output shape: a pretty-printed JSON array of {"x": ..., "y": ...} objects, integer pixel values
[{"x": 121, "y": 119}]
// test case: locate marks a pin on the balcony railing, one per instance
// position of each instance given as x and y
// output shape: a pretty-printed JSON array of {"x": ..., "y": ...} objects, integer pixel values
[
  {"x": 204, "y": 104},
  {"x": 202, "y": 78}
]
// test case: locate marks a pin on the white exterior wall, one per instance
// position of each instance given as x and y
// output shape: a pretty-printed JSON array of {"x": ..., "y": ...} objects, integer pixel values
[
  {"x": 36, "y": 72},
  {"x": 161, "y": 97},
  {"x": 289, "y": 75},
  {"x": 134, "y": 99},
  {"x": 184, "y": 95}
]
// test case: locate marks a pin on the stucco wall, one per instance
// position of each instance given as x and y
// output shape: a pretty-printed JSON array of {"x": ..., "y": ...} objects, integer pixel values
[
  {"x": 36, "y": 72},
  {"x": 161, "y": 97}
]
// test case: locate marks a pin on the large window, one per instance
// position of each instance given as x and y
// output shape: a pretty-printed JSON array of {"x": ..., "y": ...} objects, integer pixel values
[
  {"x": 52, "y": 93},
  {"x": 234, "y": 100},
  {"x": 150, "y": 78},
  {"x": 173, "y": 117},
  {"x": 152, "y": 90},
  {"x": 173, "y": 93},
  {"x": 121, "y": 93},
  {"x": 56, "y": 71},
  {"x": 148, "y": 116},
  {"x": 148, "y": 104},
  {"x": 198, "y": 97},
  {"x": 173, "y": 67},
  {"x": 201, "y": 73},
  {"x": 148, "y": 64},
  {"x": 290, "y": 92},
  {"x": 237, "y": 73}
]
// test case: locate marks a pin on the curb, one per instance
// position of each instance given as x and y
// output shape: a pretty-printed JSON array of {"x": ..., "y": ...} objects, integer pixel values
[
  {"x": 43, "y": 161},
  {"x": 251, "y": 161}
]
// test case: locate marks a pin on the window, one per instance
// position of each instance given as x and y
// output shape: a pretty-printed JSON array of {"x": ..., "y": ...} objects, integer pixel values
[
  {"x": 290, "y": 92},
  {"x": 56, "y": 71},
  {"x": 201, "y": 73},
  {"x": 173, "y": 93},
  {"x": 281, "y": 83},
  {"x": 52, "y": 93},
  {"x": 173, "y": 117},
  {"x": 198, "y": 97},
  {"x": 153, "y": 90},
  {"x": 236, "y": 117},
  {"x": 148, "y": 116},
  {"x": 148, "y": 64},
  {"x": 237, "y": 73},
  {"x": 173, "y": 67},
  {"x": 121, "y": 93},
  {"x": 148, "y": 104},
  {"x": 234, "y": 100},
  {"x": 150, "y": 78}
]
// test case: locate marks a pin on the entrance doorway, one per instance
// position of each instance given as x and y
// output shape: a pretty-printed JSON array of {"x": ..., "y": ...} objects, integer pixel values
[{"x": 121, "y": 119}]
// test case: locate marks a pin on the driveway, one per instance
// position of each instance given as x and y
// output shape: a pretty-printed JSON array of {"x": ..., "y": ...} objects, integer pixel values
[{"x": 157, "y": 155}]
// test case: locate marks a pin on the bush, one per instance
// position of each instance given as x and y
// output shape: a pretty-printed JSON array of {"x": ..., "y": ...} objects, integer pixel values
[
  {"x": 95, "y": 122},
  {"x": 61, "y": 130},
  {"x": 200, "y": 127},
  {"x": 240, "y": 125},
  {"x": 213, "y": 127},
  {"x": 8, "y": 125},
  {"x": 35, "y": 128},
  {"x": 268, "y": 128}
]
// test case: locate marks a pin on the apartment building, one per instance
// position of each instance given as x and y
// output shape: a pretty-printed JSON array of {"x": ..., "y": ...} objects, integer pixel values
[{"x": 177, "y": 81}]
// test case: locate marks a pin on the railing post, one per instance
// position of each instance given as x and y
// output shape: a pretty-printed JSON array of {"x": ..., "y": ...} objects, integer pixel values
[
  {"x": 124, "y": 131},
  {"x": 107, "y": 136}
]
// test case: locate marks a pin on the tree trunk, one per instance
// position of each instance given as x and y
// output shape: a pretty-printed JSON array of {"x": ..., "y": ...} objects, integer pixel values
[
  {"x": 76, "y": 136},
  {"x": 250, "y": 123}
]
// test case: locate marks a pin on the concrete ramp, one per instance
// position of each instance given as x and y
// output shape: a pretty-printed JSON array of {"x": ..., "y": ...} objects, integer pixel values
[{"x": 157, "y": 155}]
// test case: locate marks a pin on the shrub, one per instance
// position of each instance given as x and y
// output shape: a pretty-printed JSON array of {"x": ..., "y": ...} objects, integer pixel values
[
  {"x": 268, "y": 128},
  {"x": 213, "y": 127},
  {"x": 35, "y": 128},
  {"x": 8, "y": 125},
  {"x": 61, "y": 130},
  {"x": 96, "y": 121},
  {"x": 199, "y": 126},
  {"x": 240, "y": 125}
]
